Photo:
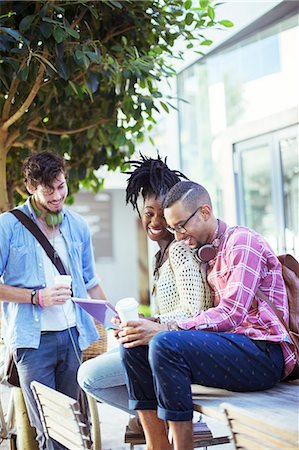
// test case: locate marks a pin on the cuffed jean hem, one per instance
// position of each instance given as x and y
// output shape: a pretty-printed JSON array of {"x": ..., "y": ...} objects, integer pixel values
[
  {"x": 175, "y": 416},
  {"x": 143, "y": 405}
]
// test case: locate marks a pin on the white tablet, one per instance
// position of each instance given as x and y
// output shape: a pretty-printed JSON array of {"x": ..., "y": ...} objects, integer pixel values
[{"x": 101, "y": 310}]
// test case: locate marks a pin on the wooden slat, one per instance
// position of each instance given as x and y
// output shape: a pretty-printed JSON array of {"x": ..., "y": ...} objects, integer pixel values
[
  {"x": 261, "y": 436},
  {"x": 284, "y": 398},
  {"x": 272, "y": 422},
  {"x": 69, "y": 426},
  {"x": 271, "y": 415},
  {"x": 246, "y": 442},
  {"x": 66, "y": 442},
  {"x": 62, "y": 420},
  {"x": 55, "y": 397},
  {"x": 55, "y": 411}
]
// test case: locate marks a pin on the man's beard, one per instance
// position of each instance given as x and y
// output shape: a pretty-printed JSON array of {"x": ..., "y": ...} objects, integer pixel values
[{"x": 46, "y": 208}]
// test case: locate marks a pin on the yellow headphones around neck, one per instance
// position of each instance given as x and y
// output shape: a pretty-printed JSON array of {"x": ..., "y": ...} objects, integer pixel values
[{"x": 51, "y": 219}]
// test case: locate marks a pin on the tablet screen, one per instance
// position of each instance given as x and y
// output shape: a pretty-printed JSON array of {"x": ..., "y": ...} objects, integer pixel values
[{"x": 101, "y": 310}]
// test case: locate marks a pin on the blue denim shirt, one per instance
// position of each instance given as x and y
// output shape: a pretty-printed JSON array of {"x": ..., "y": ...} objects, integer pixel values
[{"x": 21, "y": 265}]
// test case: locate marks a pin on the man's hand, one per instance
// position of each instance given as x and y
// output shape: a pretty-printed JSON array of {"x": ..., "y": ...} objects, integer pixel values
[
  {"x": 54, "y": 295},
  {"x": 139, "y": 332}
]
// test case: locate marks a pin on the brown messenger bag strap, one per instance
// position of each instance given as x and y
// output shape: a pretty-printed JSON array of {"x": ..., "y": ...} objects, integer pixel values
[{"x": 42, "y": 239}]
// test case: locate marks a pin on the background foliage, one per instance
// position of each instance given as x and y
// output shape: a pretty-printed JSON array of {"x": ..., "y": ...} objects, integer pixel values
[{"x": 81, "y": 78}]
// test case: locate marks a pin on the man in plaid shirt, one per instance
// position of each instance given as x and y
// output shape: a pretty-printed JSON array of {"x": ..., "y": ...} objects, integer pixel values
[{"x": 239, "y": 344}]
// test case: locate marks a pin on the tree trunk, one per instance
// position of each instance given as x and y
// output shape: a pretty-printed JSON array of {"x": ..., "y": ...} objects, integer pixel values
[{"x": 4, "y": 204}]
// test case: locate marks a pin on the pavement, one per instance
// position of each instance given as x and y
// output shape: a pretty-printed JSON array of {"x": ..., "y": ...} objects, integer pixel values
[{"x": 113, "y": 422}]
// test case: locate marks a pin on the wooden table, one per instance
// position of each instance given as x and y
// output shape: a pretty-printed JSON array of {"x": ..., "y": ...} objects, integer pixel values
[{"x": 258, "y": 420}]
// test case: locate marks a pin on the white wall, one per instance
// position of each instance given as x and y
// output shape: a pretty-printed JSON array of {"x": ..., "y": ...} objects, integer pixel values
[{"x": 119, "y": 274}]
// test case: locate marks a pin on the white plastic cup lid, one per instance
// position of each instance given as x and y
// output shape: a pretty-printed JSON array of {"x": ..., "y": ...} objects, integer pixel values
[
  {"x": 126, "y": 303},
  {"x": 63, "y": 279}
]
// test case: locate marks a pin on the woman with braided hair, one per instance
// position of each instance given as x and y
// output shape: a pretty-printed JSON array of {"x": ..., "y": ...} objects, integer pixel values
[{"x": 179, "y": 289}]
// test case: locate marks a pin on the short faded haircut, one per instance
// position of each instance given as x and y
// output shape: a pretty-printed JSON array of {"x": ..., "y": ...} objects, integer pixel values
[{"x": 191, "y": 194}]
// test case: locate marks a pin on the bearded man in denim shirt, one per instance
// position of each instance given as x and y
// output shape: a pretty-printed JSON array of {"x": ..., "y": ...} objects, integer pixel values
[{"x": 45, "y": 330}]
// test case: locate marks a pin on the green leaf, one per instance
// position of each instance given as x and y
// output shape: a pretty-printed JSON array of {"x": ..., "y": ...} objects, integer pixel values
[
  {"x": 26, "y": 22},
  {"x": 73, "y": 86},
  {"x": 188, "y": 4},
  {"x": 72, "y": 32},
  {"x": 59, "y": 35},
  {"x": 23, "y": 74},
  {"x": 116, "y": 4},
  {"x": 46, "y": 29},
  {"x": 63, "y": 69},
  {"x": 211, "y": 12},
  {"x": 55, "y": 22},
  {"x": 206, "y": 42},
  {"x": 13, "y": 33},
  {"x": 164, "y": 106},
  {"x": 226, "y": 23},
  {"x": 66, "y": 144},
  {"x": 93, "y": 81},
  {"x": 93, "y": 11},
  {"x": 204, "y": 3},
  {"x": 189, "y": 18}
]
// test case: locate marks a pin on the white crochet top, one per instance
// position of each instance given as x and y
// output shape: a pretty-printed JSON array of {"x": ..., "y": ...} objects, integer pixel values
[{"x": 180, "y": 290}]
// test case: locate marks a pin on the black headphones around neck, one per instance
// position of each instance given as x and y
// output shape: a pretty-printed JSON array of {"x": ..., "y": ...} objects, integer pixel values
[
  {"x": 207, "y": 252},
  {"x": 51, "y": 219}
]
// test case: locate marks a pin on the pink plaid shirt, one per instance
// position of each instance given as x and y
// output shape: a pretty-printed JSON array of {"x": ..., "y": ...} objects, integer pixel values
[{"x": 244, "y": 263}]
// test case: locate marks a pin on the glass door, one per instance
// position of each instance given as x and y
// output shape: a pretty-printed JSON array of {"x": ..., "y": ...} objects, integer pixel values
[
  {"x": 267, "y": 183},
  {"x": 289, "y": 155}
]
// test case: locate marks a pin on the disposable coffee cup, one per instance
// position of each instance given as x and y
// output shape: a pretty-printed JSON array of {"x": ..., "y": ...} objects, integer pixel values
[
  {"x": 127, "y": 309},
  {"x": 63, "y": 280}
]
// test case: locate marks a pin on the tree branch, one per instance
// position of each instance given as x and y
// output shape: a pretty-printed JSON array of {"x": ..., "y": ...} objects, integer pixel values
[
  {"x": 78, "y": 20},
  {"x": 25, "y": 143},
  {"x": 116, "y": 33},
  {"x": 12, "y": 91},
  {"x": 69, "y": 132},
  {"x": 28, "y": 100},
  {"x": 11, "y": 139}
]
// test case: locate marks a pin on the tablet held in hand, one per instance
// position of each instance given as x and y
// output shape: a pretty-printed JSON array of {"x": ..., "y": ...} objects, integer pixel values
[{"x": 102, "y": 310}]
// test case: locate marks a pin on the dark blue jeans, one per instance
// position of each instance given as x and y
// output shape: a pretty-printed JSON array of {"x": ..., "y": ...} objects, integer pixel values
[
  {"x": 54, "y": 364},
  {"x": 159, "y": 376}
]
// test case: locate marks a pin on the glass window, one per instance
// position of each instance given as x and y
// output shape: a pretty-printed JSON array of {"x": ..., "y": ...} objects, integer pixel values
[
  {"x": 290, "y": 175},
  {"x": 257, "y": 191}
]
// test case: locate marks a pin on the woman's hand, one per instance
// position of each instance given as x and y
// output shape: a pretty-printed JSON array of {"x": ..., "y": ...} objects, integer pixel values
[{"x": 139, "y": 332}]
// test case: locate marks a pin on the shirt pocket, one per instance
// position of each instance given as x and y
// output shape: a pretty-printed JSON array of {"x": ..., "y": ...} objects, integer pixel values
[{"x": 20, "y": 257}]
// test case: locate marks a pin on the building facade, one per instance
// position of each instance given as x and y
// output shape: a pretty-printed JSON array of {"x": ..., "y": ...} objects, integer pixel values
[{"x": 238, "y": 126}]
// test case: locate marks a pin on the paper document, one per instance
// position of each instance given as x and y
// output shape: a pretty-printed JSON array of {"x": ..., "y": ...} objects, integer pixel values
[{"x": 101, "y": 310}]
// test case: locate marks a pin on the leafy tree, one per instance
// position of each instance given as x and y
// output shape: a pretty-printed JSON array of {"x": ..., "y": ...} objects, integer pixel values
[{"x": 81, "y": 77}]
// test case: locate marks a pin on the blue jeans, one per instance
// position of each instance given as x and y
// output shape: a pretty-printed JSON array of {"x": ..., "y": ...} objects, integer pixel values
[
  {"x": 159, "y": 376},
  {"x": 54, "y": 364},
  {"x": 103, "y": 378}
]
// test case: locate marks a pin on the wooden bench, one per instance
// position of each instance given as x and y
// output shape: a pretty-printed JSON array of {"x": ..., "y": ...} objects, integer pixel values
[
  {"x": 257, "y": 420},
  {"x": 202, "y": 441},
  {"x": 63, "y": 420}
]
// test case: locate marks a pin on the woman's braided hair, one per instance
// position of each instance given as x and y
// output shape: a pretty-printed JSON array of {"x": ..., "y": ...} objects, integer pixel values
[{"x": 150, "y": 177}]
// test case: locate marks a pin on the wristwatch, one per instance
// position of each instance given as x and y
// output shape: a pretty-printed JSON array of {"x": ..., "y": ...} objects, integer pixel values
[{"x": 34, "y": 297}]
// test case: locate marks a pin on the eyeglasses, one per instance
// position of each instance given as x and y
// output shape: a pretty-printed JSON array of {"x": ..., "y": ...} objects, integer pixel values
[{"x": 180, "y": 227}]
